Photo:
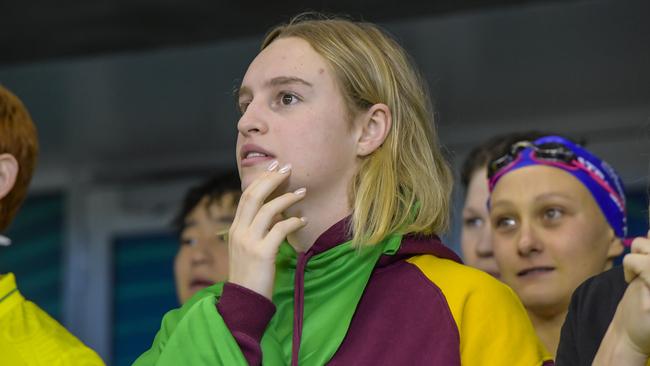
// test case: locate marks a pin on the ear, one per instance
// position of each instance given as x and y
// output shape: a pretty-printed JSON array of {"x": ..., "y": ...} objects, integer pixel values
[
  {"x": 374, "y": 127},
  {"x": 8, "y": 173},
  {"x": 616, "y": 247}
]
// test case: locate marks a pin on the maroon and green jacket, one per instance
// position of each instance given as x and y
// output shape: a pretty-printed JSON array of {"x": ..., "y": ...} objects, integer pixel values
[{"x": 405, "y": 301}]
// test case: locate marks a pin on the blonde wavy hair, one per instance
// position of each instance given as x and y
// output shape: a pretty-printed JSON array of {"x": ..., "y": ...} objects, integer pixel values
[{"x": 405, "y": 185}]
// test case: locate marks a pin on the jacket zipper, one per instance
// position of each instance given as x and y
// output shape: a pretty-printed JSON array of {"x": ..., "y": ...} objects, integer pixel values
[{"x": 299, "y": 304}]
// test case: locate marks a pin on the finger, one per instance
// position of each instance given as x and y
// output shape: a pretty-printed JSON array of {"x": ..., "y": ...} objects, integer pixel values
[
  {"x": 271, "y": 168},
  {"x": 637, "y": 265},
  {"x": 266, "y": 216},
  {"x": 641, "y": 246},
  {"x": 279, "y": 231},
  {"x": 254, "y": 196}
]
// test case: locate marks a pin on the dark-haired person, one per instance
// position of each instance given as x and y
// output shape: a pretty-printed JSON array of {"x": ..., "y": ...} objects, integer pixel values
[
  {"x": 28, "y": 335},
  {"x": 204, "y": 219},
  {"x": 476, "y": 232},
  {"x": 558, "y": 218}
]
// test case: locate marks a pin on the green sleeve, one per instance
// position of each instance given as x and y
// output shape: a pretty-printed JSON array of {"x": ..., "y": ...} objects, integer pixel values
[{"x": 194, "y": 335}]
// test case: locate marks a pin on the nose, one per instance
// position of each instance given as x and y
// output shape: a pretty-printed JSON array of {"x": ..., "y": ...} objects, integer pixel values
[
  {"x": 252, "y": 120},
  {"x": 200, "y": 253},
  {"x": 528, "y": 243}
]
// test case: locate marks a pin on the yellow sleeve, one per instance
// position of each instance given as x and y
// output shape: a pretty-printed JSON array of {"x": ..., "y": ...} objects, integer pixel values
[
  {"x": 29, "y": 336},
  {"x": 493, "y": 325}
]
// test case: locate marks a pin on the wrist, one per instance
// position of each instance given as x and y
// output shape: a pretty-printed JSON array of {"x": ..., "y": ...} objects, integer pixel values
[{"x": 257, "y": 284}]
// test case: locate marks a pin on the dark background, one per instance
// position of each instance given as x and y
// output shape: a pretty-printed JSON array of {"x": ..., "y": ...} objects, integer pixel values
[{"x": 133, "y": 102}]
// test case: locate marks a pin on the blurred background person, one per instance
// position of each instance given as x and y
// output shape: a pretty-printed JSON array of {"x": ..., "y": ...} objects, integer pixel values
[
  {"x": 558, "y": 218},
  {"x": 202, "y": 223},
  {"x": 28, "y": 336},
  {"x": 476, "y": 233}
]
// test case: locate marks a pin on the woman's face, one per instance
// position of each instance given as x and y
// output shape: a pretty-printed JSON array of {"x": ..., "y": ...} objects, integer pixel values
[
  {"x": 476, "y": 234},
  {"x": 202, "y": 258},
  {"x": 549, "y": 235},
  {"x": 293, "y": 112}
]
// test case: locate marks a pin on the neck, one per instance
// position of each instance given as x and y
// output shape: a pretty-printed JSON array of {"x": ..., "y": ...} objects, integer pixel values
[
  {"x": 548, "y": 328},
  {"x": 321, "y": 211}
]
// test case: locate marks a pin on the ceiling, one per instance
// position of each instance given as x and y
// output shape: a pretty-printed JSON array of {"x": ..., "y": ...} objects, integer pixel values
[
  {"x": 122, "y": 101},
  {"x": 33, "y": 30}
]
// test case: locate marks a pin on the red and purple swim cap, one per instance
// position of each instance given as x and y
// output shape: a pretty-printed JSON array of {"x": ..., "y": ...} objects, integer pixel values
[{"x": 604, "y": 184}]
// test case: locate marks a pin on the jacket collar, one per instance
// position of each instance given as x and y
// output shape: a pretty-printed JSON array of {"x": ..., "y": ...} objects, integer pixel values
[{"x": 412, "y": 244}]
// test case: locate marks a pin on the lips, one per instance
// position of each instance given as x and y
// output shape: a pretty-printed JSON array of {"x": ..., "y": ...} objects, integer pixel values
[
  {"x": 251, "y": 154},
  {"x": 535, "y": 271},
  {"x": 200, "y": 284}
]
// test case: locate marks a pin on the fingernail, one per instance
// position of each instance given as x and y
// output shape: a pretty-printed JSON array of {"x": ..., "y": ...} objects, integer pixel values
[
  {"x": 303, "y": 219},
  {"x": 300, "y": 191},
  {"x": 273, "y": 165},
  {"x": 285, "y": 168}
]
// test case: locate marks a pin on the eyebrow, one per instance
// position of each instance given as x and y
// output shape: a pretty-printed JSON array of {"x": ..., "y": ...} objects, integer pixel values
[
  {"x": 498, "y": 204},
  {"x": 551, "y": 195},
  {"x": 276, "y": 81},
  {"x": 471, "y": 211},
  {"x": 540, "y": 198}
]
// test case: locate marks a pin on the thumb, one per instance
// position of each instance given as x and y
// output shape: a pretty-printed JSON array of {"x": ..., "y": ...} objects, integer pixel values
[{"x": 637, "y": 265}]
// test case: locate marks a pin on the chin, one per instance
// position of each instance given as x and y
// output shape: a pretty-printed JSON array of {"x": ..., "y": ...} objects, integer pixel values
[
  {"x": 543, "y": 302},
  {"x": 248, "y": 179},
  {"x": 245, "y": 183}
]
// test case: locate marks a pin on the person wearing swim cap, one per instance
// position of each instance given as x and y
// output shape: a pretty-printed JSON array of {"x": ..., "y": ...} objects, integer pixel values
[
  {"x": 476, "y": 231},
  {"x": 558, "y": 218}
]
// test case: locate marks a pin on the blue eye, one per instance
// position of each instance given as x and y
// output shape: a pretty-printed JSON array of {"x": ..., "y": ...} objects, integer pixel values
[
  {"x": 553, "y": 214},
  {"x": 505, "y": 223},
  {"x": 473, "y": 222}
]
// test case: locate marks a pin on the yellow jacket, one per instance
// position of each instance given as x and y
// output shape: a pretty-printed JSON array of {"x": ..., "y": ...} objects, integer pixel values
[{"x": 29, "y": 336}]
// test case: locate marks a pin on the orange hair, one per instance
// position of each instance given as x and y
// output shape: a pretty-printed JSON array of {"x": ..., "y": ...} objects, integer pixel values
[{"x": 18, "y": 138}]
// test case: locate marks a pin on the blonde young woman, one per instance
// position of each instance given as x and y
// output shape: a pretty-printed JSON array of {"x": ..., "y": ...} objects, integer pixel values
[{"x": 333, "y": 252}]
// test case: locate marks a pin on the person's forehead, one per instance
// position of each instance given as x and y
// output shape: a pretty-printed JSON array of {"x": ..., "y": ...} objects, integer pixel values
[
  {"x": 285, "y": 57},
  {"x": 538, "y": 182},
  {"x": 221, "y": 207},
  {"x": 478, "y": 182}
]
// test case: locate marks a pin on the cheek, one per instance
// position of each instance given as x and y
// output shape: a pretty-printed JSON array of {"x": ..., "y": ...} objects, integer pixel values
[
  {"x": 237, "y": 147},
  {"x": 219, "y": 263},
  {"x": 219, "y": 252},
  {"x": 468, "y": 243},
  {"x": 574, "y": 239},
  {"x": 587, "y": 250},
  {"x": 181, "y": 266}
]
